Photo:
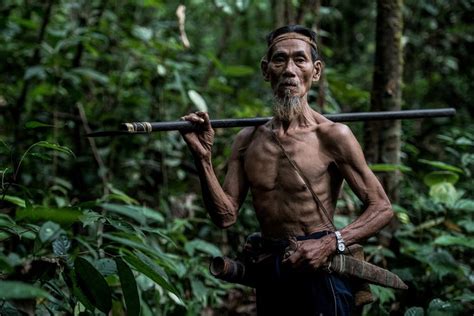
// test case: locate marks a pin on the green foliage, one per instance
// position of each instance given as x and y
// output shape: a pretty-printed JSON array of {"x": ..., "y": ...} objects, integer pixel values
[{"x": 116, "y": 224}]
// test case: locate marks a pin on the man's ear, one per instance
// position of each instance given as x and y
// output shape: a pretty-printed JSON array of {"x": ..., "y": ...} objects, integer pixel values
[
  {"x": 318, "y": 68},
  {"x": 264, "y": 69}
]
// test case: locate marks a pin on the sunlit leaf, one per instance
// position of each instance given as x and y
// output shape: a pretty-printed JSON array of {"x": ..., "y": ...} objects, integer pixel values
[
  {"x": 436, "y": 177},
  {"x": 142, "y": 33},
  {"x": 15, "y": 200},
  {"x": 197, "y": 100},
  {"x": 388, "y": 168},
  {"x": 443, "y": 192},
  {"x": 441, "y": 165}
]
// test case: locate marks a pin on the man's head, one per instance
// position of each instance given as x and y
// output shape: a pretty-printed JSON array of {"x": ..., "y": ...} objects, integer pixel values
[
  {"x": 306, "y": 33},
  {"x": 291, "y": 65}
]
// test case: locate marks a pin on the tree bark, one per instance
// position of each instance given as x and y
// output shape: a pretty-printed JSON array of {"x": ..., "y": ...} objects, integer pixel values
[{"x": 382, "y": 139}]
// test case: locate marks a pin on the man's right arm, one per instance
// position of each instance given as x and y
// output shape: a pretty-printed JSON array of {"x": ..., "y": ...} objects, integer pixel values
[{"x": 222, "y": 203}]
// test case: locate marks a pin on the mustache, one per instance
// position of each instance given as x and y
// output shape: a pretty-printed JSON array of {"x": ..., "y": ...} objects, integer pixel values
[{"x": 288, "y": 82}]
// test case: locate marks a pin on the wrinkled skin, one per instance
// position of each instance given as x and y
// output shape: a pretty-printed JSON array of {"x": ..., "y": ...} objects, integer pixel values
[{"x": 327, "y": 153}]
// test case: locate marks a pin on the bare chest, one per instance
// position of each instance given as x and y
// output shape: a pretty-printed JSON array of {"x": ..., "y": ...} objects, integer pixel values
[{"x": 268, "y": 169}]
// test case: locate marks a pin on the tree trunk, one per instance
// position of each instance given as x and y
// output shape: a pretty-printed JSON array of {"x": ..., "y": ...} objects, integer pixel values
[{"x": 382, "y": 139}]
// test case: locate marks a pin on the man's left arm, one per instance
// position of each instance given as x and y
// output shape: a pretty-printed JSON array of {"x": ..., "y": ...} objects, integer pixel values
[
  {"x": 349, "y": 158},
  {"x": 350, "y": 161}
]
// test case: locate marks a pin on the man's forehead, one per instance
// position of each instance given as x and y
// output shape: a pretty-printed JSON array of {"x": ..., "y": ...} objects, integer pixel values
[{"x": 291, "y": 45}]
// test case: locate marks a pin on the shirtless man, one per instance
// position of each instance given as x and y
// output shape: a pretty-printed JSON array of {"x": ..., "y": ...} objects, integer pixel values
[{"x": 326, "y": 152}]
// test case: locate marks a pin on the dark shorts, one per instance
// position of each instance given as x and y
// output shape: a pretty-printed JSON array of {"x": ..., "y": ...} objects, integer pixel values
[{"x": 282, "y": 290}]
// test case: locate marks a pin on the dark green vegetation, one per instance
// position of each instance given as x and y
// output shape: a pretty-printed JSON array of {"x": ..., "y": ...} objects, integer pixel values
[{"x": 117, "y": 223}]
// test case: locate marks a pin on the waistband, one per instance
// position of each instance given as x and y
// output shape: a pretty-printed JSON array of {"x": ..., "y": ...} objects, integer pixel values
[{"x": 279, "y": 245}]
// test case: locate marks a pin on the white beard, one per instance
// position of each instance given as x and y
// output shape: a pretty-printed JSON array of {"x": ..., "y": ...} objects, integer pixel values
[{"x": 288, "y": 107}]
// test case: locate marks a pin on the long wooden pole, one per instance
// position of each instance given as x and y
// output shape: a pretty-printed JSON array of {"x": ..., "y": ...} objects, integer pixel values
[{"x": 149, "y": 127}]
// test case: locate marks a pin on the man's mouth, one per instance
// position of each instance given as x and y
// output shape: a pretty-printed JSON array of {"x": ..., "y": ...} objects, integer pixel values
[{"x": 288, "y": 85}]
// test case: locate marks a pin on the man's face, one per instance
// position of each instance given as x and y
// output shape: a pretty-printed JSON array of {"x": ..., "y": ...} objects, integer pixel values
[{"x": 290, "y": 68}]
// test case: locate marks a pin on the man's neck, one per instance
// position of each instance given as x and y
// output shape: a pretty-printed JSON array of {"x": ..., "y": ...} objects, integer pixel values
[{"x": 304, "y": 120}]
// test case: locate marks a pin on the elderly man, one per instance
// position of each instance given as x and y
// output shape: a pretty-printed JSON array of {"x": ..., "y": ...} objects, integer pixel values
[{"x": 294, "y": 166}]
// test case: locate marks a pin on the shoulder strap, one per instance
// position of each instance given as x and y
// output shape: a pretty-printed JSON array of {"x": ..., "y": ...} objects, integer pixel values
[{"x": 303, "y": 177}]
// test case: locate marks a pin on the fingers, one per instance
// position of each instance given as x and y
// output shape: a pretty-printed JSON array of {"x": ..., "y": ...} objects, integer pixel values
[
  {"x": 306, "y": 256},
  {"x": 197, "y": 117}
]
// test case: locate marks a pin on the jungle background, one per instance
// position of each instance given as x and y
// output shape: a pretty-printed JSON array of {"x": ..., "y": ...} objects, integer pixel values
[{"x": 117, "y": 225}]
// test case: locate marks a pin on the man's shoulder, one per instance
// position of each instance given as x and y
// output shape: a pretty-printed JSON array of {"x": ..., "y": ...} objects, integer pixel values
[
  {"x": 245, "y": 134},
  {"x": 332, "y": 131},
  {"x": 337, "y": 138}
]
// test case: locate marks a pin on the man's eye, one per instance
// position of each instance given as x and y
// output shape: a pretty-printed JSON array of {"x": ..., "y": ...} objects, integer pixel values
[
  {"x": 300, "y": 60},
  {"x": 278, "y": 60}
]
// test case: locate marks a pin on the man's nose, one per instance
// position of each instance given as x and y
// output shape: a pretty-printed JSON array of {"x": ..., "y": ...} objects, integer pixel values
[{"x": 290, "y": 69}]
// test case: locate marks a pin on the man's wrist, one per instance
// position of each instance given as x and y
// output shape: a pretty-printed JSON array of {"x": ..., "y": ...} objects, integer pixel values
[{"x": 330, "y": 244}]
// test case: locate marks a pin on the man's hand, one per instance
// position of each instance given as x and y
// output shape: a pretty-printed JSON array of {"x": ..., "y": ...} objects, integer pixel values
[
  {"x": 199, "y": 142},
  {"x": 312, "y": 253}
]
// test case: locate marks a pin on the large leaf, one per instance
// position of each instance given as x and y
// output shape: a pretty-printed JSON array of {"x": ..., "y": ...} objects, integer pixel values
[
  {"x": 19, "y": 290},
  {"x": 140, "y": 214},
  {"x": 65, "y": 215},
  {"x": 129, "y": 287},
  {"x": 383, "y": 294},
  {"x": 436, "y": 177},
  {"x": 106, "y": 266},
  {"x": 93, "y": 285},
  {"x": 197, "y": 100},
  {"x": 442, "y": 263},
  {"x": 444, "y": 192},
  {"x": 441, "y": 165},
  {"x": 464, "y": 205},
  {"x": 129, "y": 242},
  {"x": 204, "y": 246},
  {"x": 385, "y": 167},
  {"x": 449, "y": 240},
  {"x": 70, "y": 276},
  {"x": 15, "y": 200},
  {"x": 148, "y": 267}
]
